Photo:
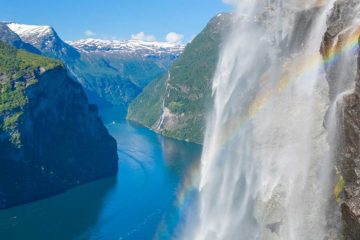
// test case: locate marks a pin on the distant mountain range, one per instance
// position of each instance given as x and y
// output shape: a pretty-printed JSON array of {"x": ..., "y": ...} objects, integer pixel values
[
  {"x": 167, "y": 85},
  {"x": 112, "y": 72},
  {"x": 128, "y": 47}
]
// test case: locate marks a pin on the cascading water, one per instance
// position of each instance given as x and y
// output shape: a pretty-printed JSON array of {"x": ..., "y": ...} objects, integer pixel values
[{"x": 266, "y": 172}]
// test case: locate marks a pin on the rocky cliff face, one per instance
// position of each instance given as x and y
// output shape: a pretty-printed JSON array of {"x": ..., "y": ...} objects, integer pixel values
[
  {"x": 51, "y": 139},
  {"x": 177, "y": 104},
  {"x": 349, "y": 162},
  {"x": 341, "y": 51}
]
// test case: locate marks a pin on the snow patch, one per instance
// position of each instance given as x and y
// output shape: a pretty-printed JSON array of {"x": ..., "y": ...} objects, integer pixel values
[
  {"x": 100, "y": 45},
  {"x": 30, "y": 30}
]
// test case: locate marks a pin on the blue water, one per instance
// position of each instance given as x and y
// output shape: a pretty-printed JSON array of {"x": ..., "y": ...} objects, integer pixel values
[{"x": 129, "y": 206}]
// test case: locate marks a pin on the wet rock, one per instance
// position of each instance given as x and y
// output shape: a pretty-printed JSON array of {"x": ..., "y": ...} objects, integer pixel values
[{"x": 343, "y": 75}]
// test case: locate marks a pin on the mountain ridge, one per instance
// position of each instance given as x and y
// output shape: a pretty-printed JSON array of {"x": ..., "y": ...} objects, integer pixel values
[
  {"x": 112, "y": 72},
  {"x": 104, "y": 45},
  {"x": 45, "y": 39}
]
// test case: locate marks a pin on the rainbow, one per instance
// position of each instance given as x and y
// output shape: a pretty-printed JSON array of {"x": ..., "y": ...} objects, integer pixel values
[
  {"x": 310, "y": 67},
  {"x": 170, "y": 224}
]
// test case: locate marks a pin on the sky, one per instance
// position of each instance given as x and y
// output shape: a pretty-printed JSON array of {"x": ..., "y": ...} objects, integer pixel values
[{"x": 161, "y": 20}]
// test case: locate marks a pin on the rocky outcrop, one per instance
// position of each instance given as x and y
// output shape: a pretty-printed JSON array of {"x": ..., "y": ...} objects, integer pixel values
[
  {"x": 340, "y": 62},
  {"x": 349, "y": 162},
  {"x": 342, "y": 67},
  {"x": 51, "y": 139}
]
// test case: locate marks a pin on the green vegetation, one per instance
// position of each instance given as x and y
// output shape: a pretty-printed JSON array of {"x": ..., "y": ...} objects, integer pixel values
[
  {"x": 187, "y": 92},
  {"x": 177, "y": 107},
  {"x": 18, "y": 71},
  {"x": 339, "y": 186},
  {"x": 146, "y": 109},
  {"x": 16, "y": 63},
  {"x": 116, "y": 79}
]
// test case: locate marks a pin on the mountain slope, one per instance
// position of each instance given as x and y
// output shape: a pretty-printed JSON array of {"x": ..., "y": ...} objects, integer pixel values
[
  {"x": 112, "y": 72},
  {"x": 176, "y": 104},
  {"x": 139, "y": 60},
  {"x": 51, "y": 139},
  {"x": 11, "y": 38},
  {"x": 45, "y": 39},
  {"x": 121, "y": 68}
]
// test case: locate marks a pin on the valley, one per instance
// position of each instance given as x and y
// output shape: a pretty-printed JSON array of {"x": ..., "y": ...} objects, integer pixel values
[{"x": 240, "y": 123}]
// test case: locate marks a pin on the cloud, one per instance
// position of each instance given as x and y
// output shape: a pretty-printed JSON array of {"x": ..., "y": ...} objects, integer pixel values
[
  {"x": 89, "y": 33},
  {"x": 230, "y": 1},
  {"x": 174, "y": 37},
  {"x": 144, "y": 37}
]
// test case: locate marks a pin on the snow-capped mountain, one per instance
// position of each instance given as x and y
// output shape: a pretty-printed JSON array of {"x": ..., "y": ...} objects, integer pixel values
[
  {"x": 45, "y": 39},
  {"x": 30, "y": 30},
  {"x": 132, "y": 47},
  {"x": 10, "y": 37},
  {"x": 112, "y": 72},
  {"x": 49, "y": 43}
]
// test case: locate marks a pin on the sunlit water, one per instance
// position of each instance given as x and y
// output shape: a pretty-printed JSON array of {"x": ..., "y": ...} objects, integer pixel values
[{"x": 130, "y": 206}]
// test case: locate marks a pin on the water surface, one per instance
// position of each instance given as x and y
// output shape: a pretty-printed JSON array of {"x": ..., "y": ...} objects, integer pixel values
[{"x": 129, "y": 206}]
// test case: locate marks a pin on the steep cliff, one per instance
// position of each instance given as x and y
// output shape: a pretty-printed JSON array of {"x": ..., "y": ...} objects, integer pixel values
[
  {"x": 176, "y": 104},
  {"x": 349, "y": 161},
  {"x": 341, "y": 52},
  {"x": 51, "y": 139}
]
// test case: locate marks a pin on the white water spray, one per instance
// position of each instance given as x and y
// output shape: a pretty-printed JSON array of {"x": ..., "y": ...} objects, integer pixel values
[{"x": 265, "y": 171}]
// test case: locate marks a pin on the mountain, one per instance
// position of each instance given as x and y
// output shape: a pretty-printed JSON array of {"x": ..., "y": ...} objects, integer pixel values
[
  {"x": 130, "y": 48},
  {"x": 124, "y": 55},
  {"x": 45, "y": 39},
  {"x": 11, "y": 38},
  {"x": 112, "y": 72},
  {"x": 117, "y": 71},
  {"x": 176, "y": 104},
  {"x": 51, "y": 139}
]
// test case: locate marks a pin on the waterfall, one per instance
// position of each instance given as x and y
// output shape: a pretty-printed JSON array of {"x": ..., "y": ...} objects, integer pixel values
[{"x": 266, "y": 171}]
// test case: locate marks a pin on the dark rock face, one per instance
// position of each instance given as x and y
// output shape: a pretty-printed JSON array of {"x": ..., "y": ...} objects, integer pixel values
[
  {"x": 63, "y": 142},
  {"x": 341, "y": 75},
  {"x": 349, "y": 161}
]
